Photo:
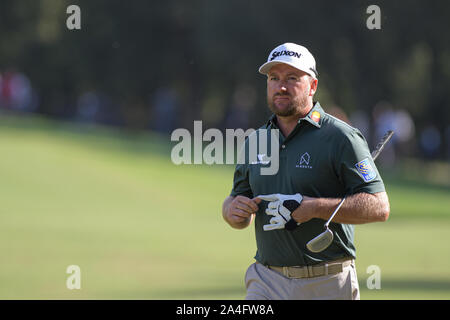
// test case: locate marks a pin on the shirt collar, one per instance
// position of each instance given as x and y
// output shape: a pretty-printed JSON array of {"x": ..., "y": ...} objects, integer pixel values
[
  {"x": 272, "y": 122},
  {"x": 314, "y": 117}
]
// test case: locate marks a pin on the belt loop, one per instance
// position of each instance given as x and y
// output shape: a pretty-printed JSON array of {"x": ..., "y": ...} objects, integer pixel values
[
  {"x": 326, "y": 269},
  {"x": 310, "y": 271},
  {"x": 286, "y": 272}
]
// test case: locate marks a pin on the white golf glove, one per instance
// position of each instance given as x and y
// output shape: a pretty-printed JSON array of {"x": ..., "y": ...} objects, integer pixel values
[{"x": 280, "y": 207}]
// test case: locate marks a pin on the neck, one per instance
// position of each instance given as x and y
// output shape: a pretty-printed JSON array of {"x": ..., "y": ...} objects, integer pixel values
[{"x": 287, "y": 124}]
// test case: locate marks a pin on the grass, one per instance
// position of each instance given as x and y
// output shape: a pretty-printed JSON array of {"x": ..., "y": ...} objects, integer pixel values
[
  {"x": 140, "y": 227},
  {"x": 412, "y": 256}
]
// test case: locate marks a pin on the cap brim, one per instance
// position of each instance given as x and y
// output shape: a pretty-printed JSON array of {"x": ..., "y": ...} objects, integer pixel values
[{"x": 265, "y": 68}]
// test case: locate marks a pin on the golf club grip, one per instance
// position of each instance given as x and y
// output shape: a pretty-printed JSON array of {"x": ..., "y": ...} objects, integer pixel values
[{"x": 381, "y": 144}]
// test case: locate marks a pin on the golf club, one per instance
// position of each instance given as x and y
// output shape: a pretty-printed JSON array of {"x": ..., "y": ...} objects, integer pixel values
[{"x": 323, "y": 240}]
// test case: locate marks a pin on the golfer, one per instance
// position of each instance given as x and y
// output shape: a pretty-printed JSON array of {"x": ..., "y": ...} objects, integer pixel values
[{"x": 321, "y": 159}]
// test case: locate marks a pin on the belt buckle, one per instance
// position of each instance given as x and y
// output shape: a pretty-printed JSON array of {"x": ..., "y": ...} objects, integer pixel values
[{"x": 297, "y": 272}]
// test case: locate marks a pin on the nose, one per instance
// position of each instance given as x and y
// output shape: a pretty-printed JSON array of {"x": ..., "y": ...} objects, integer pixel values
[{"x": 282, "y": 87}]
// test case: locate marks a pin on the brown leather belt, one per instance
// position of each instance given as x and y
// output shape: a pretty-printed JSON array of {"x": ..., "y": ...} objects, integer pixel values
[{"x": 318, "y": 270}]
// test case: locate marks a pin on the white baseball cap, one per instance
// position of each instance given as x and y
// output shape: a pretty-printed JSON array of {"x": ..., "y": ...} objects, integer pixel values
[{"x": 294, "y": 55}]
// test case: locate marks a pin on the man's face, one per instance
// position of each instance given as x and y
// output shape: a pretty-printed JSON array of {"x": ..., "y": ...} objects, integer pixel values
[{"x": 288, "y": 90}]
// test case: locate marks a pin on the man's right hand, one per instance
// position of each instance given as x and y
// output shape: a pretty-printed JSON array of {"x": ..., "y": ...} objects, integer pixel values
[{"x": 239, "y": 211}]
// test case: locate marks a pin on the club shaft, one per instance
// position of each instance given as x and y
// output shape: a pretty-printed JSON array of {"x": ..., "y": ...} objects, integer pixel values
[{"x": 335, "y": 211}]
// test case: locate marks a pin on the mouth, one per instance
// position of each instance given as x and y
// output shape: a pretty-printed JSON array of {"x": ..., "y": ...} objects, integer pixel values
[{"x": 278, "y": 97}]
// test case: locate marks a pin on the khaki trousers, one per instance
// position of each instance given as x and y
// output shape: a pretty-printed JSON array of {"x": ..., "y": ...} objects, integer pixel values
[{"x": 263, "y": 283}]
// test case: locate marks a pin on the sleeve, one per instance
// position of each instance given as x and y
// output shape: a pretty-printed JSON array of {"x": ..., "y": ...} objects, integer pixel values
[
  {"x": 355, "y": 166},
  {"x": 241, "y": 185}
]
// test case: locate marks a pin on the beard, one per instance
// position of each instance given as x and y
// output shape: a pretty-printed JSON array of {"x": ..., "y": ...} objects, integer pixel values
[{"x": 295, "y": 105}]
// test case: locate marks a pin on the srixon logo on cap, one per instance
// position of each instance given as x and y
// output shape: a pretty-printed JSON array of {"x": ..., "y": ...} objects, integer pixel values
[{"x": 285, "y": 53}]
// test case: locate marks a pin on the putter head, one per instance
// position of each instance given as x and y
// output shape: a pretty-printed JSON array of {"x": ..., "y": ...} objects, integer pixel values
[{"x": 321, "y": 242}]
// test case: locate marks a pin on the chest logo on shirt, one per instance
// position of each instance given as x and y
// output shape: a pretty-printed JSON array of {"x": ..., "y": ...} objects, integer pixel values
[
  {"x": 304, "y": 161},
  {"x": 365, "y": 170},
  {"x": 261, "y": 159}
]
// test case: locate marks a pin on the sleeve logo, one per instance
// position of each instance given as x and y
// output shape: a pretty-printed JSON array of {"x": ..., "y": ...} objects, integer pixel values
[{"x": 365, "y": 170}]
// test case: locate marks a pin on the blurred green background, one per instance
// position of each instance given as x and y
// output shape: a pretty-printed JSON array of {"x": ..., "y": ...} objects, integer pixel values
[
  {"x": 86, "y": 115},
  {"x": 140, "y": 227}
]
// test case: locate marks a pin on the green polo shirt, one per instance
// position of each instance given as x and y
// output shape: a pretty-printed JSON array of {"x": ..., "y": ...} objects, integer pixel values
[{"x": 322, "y": 157}]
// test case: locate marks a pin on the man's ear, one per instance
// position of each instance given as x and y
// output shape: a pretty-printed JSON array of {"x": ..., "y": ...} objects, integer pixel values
[{"x": 313, "y": 87}]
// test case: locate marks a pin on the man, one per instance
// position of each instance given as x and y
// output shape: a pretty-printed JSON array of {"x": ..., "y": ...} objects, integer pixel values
[{"x": 321, "y": 159}]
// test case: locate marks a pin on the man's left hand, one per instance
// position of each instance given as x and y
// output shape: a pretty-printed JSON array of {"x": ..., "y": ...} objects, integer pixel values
[{"x": 280, "y": 207}]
